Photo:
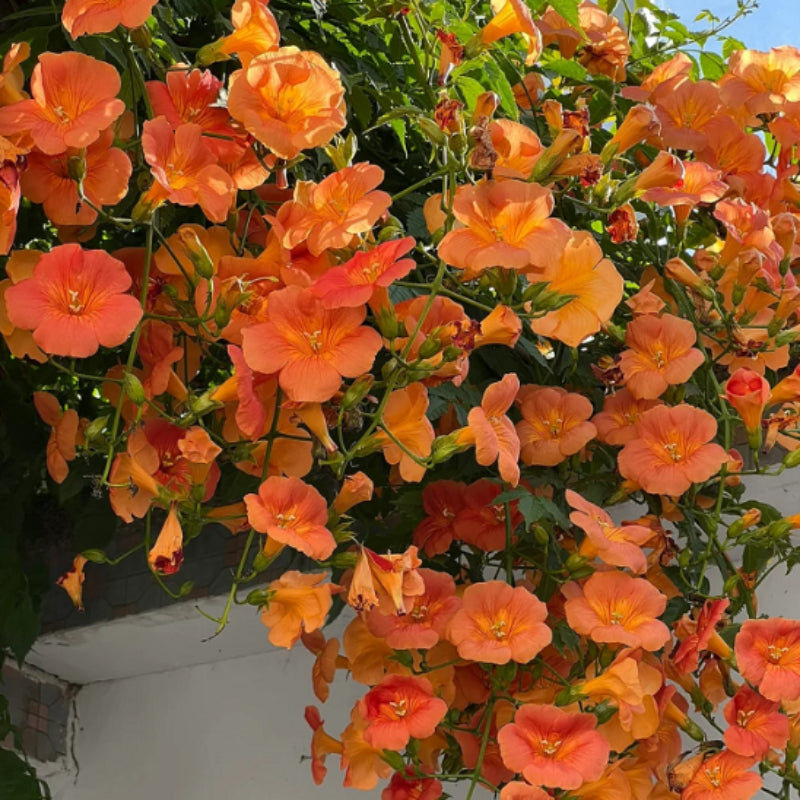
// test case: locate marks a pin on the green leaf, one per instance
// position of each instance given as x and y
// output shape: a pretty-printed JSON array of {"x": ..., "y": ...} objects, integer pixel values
[
  {"x": 713, "y": 66},
  {"x": 500, "y": 84},
  {"x": 399, "y": 127},
  {"x": 18, "y": 779},
  {"x": 470, "y": 90},
  {"x": 730, "y": 46},
  {"x": 567, "y": 69}
]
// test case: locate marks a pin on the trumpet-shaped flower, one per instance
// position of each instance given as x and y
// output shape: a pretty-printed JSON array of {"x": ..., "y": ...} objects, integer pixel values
[
  {"x": 498, "y": 623},
  {"x": 673, "y": 450},
  {"x": 102, "y": 16},
  {"x": 74, "y": 97},
  {"x": 75, "y": 302},
  {"x": 768, "y": 654},
  {"x": 756, "y": 724},
  {"x": 616, "y": 423},
  {"x": 407, "y": 433},
  {"x": 289, "y": 99},
  {"x": 577, "y": 269},
  {"x": 352, "y": 284},
  {"x": 442, "y": 501},
  {"x": 72, "y": 581},
  {"x": 294, "y": 513},
  {"x": 505, "y": 223},
  {"x": 724, "y": 776},
  {"x": 492, "y": 432},
  {"x": 425, "y": 622},
  {"x": 398, "y": 709},
  {"x": 329, "y": 214},
  {"x": 617, "y": 545},
  {"x": 64, "y": 434},
  {"x": 748, "y": 392},
  {"x": 554, "y": 424},
  {"x": 614, "y": 607},
  {"x": 552, "y": 747},
  {"x": 297, "y": 602},
  {"x": 311, "y": 347},
  {"x": 660, "y": 354},
  {"x": 47, "y": 180},
  {"x": 185, "y": 170},
  {"x": 166, "y": 555}
]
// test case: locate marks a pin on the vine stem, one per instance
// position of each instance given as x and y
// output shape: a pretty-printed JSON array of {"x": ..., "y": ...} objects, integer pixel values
[
  {"x": 222, "y": 621},
  {"x": 476, "y": 773},
  {"x": 148, "y": 256}
]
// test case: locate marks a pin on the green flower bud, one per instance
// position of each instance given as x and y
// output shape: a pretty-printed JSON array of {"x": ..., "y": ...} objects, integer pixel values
[{"x": 133, "y": 388}]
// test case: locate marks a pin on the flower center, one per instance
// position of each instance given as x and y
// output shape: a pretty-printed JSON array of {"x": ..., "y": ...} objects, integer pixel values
[
  {"x": 658, "y": 357},
  {"x": 713, "y": 777},
  {"x": 672, "y": 450},
  {"x": 743, "y": 717},
  {"x": 420, "y": 612},
  {"x": 399, "y": 708},
  {"x": 499, "y": 629},
  {"x": 314, "y": 340},
  {"x": 75, "y": 306},
  {"x": 285, "y": 520},
  {"x": 550, "y": 745},
  {"x": 776, "y": 653},
  {"x": 616, "y": 618}
]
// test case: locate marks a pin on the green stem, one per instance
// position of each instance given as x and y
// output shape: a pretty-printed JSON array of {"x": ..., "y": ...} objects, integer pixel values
[{"x": 148, "y": 255}]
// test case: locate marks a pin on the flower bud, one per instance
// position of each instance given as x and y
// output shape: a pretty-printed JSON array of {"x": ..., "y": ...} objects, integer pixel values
[
  {"x": 133, "y": 388},
  {"x": 357, "y": 392},
  {"x": 430, "y": 347},
  {"x": 197, "y": 252},
  {"x": 76, "y": 167}
]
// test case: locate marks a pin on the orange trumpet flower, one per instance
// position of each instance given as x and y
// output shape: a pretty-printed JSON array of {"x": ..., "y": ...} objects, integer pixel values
[
  {"x": 186, "y": 172},
  {"x": 552, "y": 747},
  {"x": 615, "y": 607},
  {"x": 75, "y": 302},
  {"x": 297, "y": 602},
  {"x": 80, "y": 17},
  {"x": 492, "y": 432},
  {"x": 74, "y": 97},
  {"x": 576, "y": 268},
  {"x": 64, "y": 434},
  {"x": 748, "y": 393},
  {"x": 353, "y": 283},
  {"x": 498, "y": 623},
  {"x": 554, "y": 424},
  {"x": 660, "y": 354},
  {"x": 506, "y": 224},
  {"x": 398, "y": 709},
  {"x": 289, "y": 99},
  {"x": 47, "y": 180},
  {"x": 672, "y": 450},
  {"x": 312, "y": 347},
  {"x": 72, "y": 581},
  {"x": 768, "y": 654},
  {"x": 294, "y": 513},
  {"x": 329, "y": 214}
]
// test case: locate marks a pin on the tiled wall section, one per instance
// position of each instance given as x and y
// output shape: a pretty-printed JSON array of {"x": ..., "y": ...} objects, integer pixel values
[
  {"x": 40, "y": 708},
  {"x": 110, "y": 592}
]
